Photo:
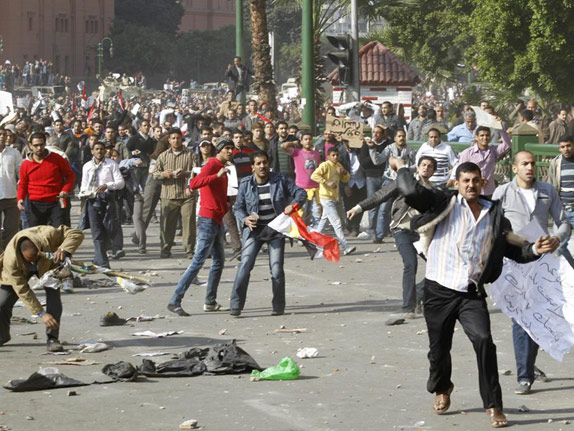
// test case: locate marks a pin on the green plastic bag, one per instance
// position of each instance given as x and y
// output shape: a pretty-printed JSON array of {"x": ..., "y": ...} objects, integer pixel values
[{"x": 287, "y": 369}]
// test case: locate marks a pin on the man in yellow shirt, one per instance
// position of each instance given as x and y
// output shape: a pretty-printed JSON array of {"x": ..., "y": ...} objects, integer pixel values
[{"x": 329, "y": 175}]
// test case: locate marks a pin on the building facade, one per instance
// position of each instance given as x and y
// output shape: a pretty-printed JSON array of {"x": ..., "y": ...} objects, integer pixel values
[
  {"x": 65, "y": 32},
  {"x": 207, "y": 14}
]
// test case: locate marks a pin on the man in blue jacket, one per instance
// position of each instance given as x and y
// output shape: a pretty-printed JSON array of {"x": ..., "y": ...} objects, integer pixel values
[{"x": 262, "y": 197}]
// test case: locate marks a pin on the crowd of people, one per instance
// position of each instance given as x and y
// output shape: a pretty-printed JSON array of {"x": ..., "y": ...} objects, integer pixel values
[{"x": 218, "y": 170}]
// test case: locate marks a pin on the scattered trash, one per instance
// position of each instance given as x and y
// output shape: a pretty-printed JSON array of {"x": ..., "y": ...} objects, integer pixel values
[
  {"x": 93, "y": 347},
  {"x": 156, "y": 334},
  {"x": 358, "y": 260},
  {"x": 142, "y": 318},
  {"x": 22, "y": 320},
  {"x": 122, "y": 371},
  {"x": 419, "y": 424},
  {"x": 64, "y": 353},
  {"x": 76, "y": 314},
  {"x": 151, "y": 354},
  {"x": 74, "y": 361},
  {"x": 291, "y": 331},
  {"x": 148, "y": 272},
  {"x": 307, "y": 352},
  {"x": 72, "y": 393},
  {"x": 363, "y": 235},
  {"x": 130, "y": 286},
  {"x": 565, "y": 422},
  {"x": 506, "y": 372},
  {"x": 188, "y": 425},
  {"x": 222, "y": 331},
  {"x": 462, "y": 412},
  {"x": 337, "y": 283},
  {"x": 29, "y": 418},
  {"x": 523, "y": 409},
  {"x": 287, "y": 369},
  {"x": 550, "y": 421},
  {"x": 373, "y": 360},
  {"x": 225, "y": 358},
  {"x": 422, "y": 331},
  {"x": 394, "y": 321},
  {"x": 38, "y": 382}
]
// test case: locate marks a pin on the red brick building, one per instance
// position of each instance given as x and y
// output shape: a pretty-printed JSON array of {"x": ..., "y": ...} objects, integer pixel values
[
  {"x": 62, "y": 31},
  {"x": 207, "y": 14}
]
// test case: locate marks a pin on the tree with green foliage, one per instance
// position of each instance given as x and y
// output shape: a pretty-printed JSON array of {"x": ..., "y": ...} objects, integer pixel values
[{"x": 525, "y": 44}]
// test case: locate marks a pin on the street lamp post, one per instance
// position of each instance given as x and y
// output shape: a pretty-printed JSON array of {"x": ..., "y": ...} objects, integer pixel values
[{"x": 100, "y": 53}]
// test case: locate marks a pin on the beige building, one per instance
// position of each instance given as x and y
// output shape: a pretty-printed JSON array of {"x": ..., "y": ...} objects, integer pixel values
[
  {"x": 207, "y": 14},
  {"x": 65, "y": 32}
]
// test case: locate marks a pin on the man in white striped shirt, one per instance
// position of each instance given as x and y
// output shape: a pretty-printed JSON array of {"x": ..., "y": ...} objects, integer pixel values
[
  {"x": 468, "y": 241},
  {"x": 443, "y": 154}
]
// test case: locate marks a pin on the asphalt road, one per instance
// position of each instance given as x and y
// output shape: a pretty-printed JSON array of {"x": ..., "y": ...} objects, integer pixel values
[{"x": 367, "y": 376}]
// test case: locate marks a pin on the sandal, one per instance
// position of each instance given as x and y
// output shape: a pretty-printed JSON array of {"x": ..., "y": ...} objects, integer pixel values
[
  {"x": 442, "y": 401},
  {"x": 497, "y": 418}
]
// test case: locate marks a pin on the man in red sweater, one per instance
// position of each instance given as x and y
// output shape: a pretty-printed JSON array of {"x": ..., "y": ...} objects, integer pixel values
[
  {"x": 46, "y": 179},
  {"x": 212, "y": 182}
]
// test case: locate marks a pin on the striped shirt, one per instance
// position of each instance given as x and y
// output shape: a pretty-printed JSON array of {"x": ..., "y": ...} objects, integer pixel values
[
  {"x": 567, "y": 181},
  {"x": 445, "y": 159},
  {"x": 460, "y": 246},
  {"x": 266, "y": 212},
  {"x": 174, "y": 188}
]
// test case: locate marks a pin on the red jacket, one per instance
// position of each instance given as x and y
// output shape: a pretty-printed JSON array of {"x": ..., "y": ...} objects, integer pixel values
[
  {"x": 213, "y": 190},
  {"x": 45, "y": 180}
]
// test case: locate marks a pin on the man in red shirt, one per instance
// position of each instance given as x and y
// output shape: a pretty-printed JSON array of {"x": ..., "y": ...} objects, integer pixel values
[
  {"x": 46, "y": 179},
  {"x": 212, "y": 182}
]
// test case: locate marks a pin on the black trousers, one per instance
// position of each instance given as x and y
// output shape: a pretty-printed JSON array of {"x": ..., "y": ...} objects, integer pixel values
[
  {"x": 442, "y": 308},
  {"x": 45, "y": 213},
  {"x": 8, "y": 298}
]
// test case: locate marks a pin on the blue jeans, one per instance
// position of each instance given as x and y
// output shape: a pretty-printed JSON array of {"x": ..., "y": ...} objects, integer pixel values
[
  {"x": 525, "y": 351},
  {"x": 404, "y": 240},
  {"x": 249, "y": 249},
  {"x": 312, "y": 209},
  {"x": 210, "y": 238},
  {"x": 330, "y": 213},
  {"x": 564, "y": 246},
  {"x": 379, "y": 217}
]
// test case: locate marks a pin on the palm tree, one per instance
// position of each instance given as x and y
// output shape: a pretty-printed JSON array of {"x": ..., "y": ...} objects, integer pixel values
[{"x": 264, "y": 84}]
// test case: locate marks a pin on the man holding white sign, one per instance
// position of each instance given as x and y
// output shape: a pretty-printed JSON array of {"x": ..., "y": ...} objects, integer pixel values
[
  {"x": 523, "y": 200},
  {"x": 465, "y": 238}
]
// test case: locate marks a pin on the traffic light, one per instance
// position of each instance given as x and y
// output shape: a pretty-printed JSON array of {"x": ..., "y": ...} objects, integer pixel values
[{"x": 342, "y": 56}]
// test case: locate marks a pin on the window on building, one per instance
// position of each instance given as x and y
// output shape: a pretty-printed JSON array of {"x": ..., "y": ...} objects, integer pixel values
[
  {"x": 87, "y": 26},
  {"x": 95, "y": 26},
  {"x": 30, "y": 23},
  {"x": 57, "y": 25},
  {"x": 66, "y": 25}
]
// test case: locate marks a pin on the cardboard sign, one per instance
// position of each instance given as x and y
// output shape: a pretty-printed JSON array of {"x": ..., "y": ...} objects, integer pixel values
[{"x": 351, "y": 130}]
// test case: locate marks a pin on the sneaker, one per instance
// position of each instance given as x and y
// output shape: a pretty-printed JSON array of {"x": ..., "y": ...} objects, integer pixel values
[
  {"x": 378, "y": 241},
  {"x": 177, "y": 310},
  {"x": 235, "y": 313},
  {"x": 112, "y": 319},
  {"x": 214, "y": 307},
  {"x": 277, "y": 312},
  {"x": 523, "y": 388},
  {"x": 54, "y": 345},
  {"x": 198, "y": 282},
  {"x": 142, "y": 251},
  {"x": 349, "y": 250},
  {"x": 540, "y": 376},
  {"x": 408, "y": 315},
  {"x": 419, "y": 308},
  {"x": 119, "y": 254},
  {"x": 68, "y": 285},
  {"x": 135, "y": 240},
  {"x": 165, "y": 254}
]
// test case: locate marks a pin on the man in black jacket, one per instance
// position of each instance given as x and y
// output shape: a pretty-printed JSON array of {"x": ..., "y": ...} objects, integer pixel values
[
  {"x": 467, "y": 239},
  {"x": 375, "y": 174}
]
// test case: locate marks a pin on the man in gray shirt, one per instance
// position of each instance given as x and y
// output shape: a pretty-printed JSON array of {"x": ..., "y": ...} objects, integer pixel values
[{"x": 523, "y": 200}]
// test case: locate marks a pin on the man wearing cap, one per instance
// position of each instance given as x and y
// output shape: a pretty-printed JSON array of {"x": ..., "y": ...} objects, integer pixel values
[
  {"x": 173, "y": 168},
  {"x": 212, "y": 185},
  {"x": 10, "y": 161}
]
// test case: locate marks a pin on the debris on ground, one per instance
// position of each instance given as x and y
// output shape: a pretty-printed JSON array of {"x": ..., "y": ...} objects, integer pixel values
[
  {"x": 287, "y": 369},
  {"x": 74, "y": 361},
  {"x": 523, "y": 409},
  {"x": 222, "y": 331},
  {"x": 394, "y": 321},
  {"x": 72, "y": 393},
  {"x": 151, "y": 354},
  {"x": 188, "y": 425},
  {"x": 291, "y": 331},
  {"x": 93, "y": 347},
  {"x": 152, "y": 334},
  {"x": 506, "y": 372},
  {"x": 307, "y": 352}
]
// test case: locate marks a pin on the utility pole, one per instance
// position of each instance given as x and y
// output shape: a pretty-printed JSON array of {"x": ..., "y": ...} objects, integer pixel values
[
  {"x": 307, "y": 78},
  {"x": 239, "y": 29},
  {"x": 356, "y": 91}
]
